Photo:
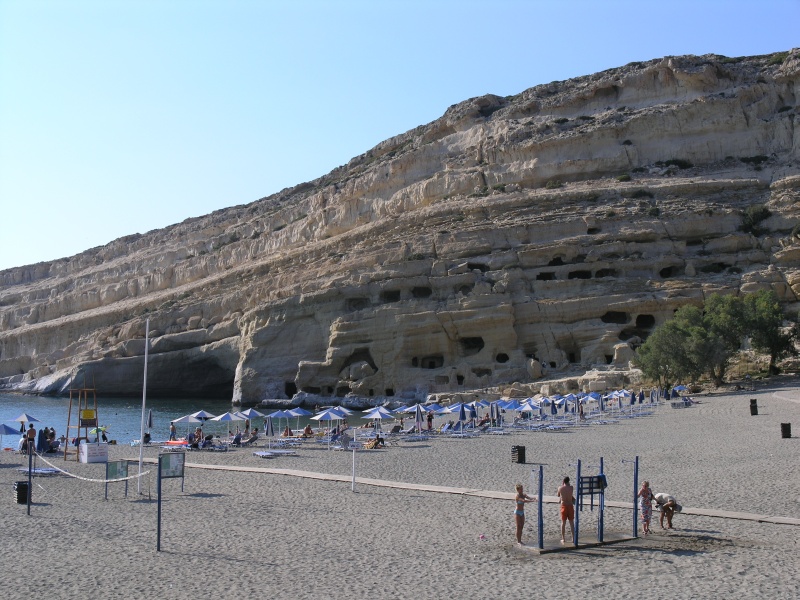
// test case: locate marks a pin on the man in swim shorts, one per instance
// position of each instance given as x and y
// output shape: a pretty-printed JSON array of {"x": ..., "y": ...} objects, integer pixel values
[{"x": 565, "y": 493}]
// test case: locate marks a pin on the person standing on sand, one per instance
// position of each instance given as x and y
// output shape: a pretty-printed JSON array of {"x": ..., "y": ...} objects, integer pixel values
[
  {"x": 646, "y": 506},
  {"x": 519, "y": 511},
  {"x": 565, "y": 493}
]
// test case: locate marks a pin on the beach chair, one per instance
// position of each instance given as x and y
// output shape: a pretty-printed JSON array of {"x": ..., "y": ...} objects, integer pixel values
[{"x": 250, "y": 441}]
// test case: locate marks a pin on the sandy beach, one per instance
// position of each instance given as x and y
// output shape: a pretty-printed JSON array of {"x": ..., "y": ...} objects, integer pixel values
[{"x": 241, "y": 531}]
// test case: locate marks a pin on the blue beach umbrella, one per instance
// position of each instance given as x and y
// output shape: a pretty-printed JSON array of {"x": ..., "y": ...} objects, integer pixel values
[
  {"x": 299, "y": 412},
  {"x": 6, "y": 430}
]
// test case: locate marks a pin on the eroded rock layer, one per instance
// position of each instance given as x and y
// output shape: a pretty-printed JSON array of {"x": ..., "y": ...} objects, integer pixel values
[{"x": 546, "y": 231}]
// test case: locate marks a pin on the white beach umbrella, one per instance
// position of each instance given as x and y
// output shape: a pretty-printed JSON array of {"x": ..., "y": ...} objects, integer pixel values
[
  {"x": 202, "y": 415},
  {"x": 251, "y": 413}
]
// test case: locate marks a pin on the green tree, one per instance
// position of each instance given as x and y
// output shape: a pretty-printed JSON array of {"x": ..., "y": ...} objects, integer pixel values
[
  {"x": 765, "y": 326},
  {"x": 725, "y": 321},
  {"x": 664, "y": 357}
]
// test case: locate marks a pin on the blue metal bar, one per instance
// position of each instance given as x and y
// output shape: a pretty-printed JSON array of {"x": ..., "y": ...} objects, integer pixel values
[
  {"x": 635, "y": 493},
  {"x": 158, "y": 491},
  {"x": 540, "y": 516},
  {"x": 601, "y": 506},
  {"x": 580, "y": 499}
]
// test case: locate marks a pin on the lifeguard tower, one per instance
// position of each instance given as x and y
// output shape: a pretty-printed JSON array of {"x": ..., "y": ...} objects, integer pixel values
[{"x": 83, "y": 402}]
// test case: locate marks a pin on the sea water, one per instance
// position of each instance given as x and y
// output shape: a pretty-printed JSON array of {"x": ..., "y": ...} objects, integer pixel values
[{"x": 123, "y": 416}]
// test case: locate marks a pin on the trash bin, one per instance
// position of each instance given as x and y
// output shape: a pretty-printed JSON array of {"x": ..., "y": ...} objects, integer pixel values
[
  {"x": 786, "y": 430},
  {"x": 21, "y": 492},
  {"x": 518, "y": 454},
  {"x": 753, "y": 406}
]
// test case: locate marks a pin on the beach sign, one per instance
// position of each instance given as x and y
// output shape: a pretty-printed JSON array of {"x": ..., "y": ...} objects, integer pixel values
[
  {"x": 170, "y": 465},
  {"x": 117, "y": 469}
]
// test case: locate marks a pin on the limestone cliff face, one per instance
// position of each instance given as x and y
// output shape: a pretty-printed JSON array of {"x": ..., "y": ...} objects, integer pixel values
[{"x": 549, "y": 227}]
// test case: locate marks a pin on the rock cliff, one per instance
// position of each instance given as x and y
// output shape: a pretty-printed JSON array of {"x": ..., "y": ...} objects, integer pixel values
[{"x": 551, "y": 230}]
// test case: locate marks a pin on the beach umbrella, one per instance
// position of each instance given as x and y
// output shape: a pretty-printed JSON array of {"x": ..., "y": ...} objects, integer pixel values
[
  {"x": 281, "y": 414},
  {"x": 462, "y": 414},
  {"x": 299, "y": 412},
  {"x": 641, "y": 396},
  {"x": 269, "y": 430},
  {"x": 495, "y": 414},
  {"x": 6, "y": 430},
  {"x": 25, "y": 418},
  {"x": 202, "y": 415},
  {"x": 419, "y": 416},
  {"x": 188, "y": 419},
  {"x": 251, "y": 413},
  {"x": 150, "y": 418},
  {"x": 228, "y": 417},
  {"x": 377, "y": 415},
  {"x": 327, "y": 415},
  {"x": 433, "y": 407}
]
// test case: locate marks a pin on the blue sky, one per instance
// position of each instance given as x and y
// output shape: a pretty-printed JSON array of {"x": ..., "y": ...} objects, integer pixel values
[{"x": 119, "y": 117}]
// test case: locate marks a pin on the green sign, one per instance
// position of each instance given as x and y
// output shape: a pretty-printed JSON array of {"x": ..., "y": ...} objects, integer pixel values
[
  {"x": 117, "y": 469},
  {"x": 171, "y": 464}
]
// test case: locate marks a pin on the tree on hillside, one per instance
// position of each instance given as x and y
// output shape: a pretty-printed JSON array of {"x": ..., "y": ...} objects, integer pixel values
[
  {"x": 696, "y": 341},
  {"x": 658, "y": 356},
  {"x": 725, "y": 320},
  {"x": 765, "y": 325}
]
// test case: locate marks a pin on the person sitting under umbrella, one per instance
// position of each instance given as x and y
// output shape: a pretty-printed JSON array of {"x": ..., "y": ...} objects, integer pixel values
[{"x": 287, "y": 432}]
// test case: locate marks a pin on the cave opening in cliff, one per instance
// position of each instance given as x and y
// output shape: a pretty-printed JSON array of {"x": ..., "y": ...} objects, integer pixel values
[
  {"x": 289, "y": 388},
  {"x": 645, "y": 321},
  {"x": 388, "y": 296},
  {"x": 668, "y": 272},
  {"x": 432, "y": 362},
  {"x": 355, "y": 304},
  {"x": 580, "y": 274},
  {"x": 616, "y": 317},
  {"x": 600, "y": 273},
  {"x": 169, "y": 378},
  {"x": 502, "y": 357},
  {"x": 470, "y": 346},
  {"x": 342, "y": 391},
  {"x": 388, "y": 392},
  {"x": 421, "y": 292},
  {"x": 465, "y": 290},
  {"x": 360, "y": 355},
  {"x": 556, "y": 262},
  {"x": 477, "y": 266},
  {"x": 592, "y": 231},
  {"x": 546, "y": 276},
  {"x": 460, "y": 379}
]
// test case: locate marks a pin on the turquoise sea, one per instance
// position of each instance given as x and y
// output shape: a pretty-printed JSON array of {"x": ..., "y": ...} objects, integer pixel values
[{"x": 122, "y": 416}]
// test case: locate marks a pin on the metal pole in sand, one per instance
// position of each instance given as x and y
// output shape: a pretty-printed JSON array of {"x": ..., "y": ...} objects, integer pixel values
[
  {"x": 353, "y": 485},
  {"x": 144, "y": 401}
]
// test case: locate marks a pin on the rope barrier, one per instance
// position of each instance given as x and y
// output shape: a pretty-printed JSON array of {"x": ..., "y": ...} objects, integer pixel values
[{"x": 90, "y": 480}]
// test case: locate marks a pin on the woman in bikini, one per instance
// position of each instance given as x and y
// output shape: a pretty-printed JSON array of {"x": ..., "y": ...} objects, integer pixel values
[{"x": 519, "y": 512}]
